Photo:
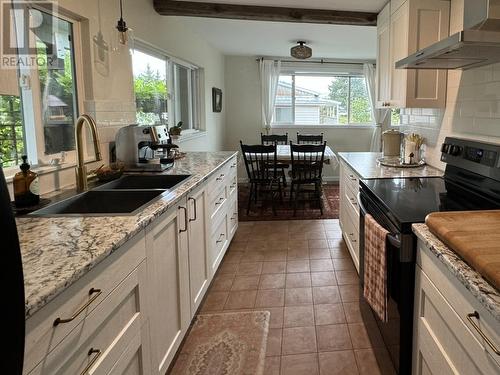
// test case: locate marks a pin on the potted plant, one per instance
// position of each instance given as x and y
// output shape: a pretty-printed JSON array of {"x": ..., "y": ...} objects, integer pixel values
[{"x": 175, "y": 130}]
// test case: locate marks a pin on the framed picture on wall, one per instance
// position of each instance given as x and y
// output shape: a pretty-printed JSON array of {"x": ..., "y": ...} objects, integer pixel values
[{"x": 216, "y": 99}]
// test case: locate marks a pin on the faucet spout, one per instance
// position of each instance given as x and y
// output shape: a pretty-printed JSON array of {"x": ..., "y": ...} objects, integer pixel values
[{"x": 81, "y": 169}]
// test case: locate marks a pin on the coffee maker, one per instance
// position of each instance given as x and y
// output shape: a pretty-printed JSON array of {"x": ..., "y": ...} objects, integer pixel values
[{"x": 144, "y": 148}]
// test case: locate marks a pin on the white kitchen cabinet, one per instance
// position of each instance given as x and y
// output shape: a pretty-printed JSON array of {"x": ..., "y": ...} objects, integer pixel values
[
  {"x": 444, "y": 340},
  {"x": 140, "y": 300},
  {"x": 198, "y": 229},
  {"x": 168, "y": 271},
  {"x": 349, "y": 210},
  {"x": 412, "y": 25},
  {"x": 383, "y": 69}
]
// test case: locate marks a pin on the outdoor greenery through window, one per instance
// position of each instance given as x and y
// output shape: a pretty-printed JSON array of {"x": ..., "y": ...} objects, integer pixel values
[
  {"x": 322, "y": 100},
  {"x": 38, "y": 120},
  {"x": 166, "y": 91}
]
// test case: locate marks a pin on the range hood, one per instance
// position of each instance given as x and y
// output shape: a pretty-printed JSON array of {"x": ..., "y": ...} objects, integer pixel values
[{"x": 477, "y": 45}]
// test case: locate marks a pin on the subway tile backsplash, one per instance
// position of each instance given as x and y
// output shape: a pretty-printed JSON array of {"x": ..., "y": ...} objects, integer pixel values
[{"x": 472, "y": 111}]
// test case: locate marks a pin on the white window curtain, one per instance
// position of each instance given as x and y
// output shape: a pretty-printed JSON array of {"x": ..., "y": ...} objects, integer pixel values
[
  {"x": 269, "y": 77},
  {"x": 379, "y": 115}
]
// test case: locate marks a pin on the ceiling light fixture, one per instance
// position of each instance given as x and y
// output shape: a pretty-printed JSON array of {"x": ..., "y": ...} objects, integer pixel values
[{"x": 301, "y": 51}]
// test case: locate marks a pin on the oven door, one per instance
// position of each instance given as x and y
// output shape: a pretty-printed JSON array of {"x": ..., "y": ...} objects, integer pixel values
[{"x": 397, "y": 332}]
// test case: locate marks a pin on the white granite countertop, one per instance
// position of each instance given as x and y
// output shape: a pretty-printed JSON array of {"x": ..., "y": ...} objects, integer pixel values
[
  {"x": 483, "y": 291},
  {"x": 365, "y": 164},
  {"x": 58, "y": 251}
]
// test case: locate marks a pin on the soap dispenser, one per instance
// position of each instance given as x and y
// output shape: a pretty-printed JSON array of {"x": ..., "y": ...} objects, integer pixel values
[{"x": 26, "y": 186}]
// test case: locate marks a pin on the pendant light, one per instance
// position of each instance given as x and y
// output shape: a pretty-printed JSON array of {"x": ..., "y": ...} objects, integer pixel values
[
  {"x": 124, "y": 33},
  {"x": 301, "y": 51}
]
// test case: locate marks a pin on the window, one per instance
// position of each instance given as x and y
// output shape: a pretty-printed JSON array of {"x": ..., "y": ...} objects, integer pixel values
[
  {"x": 38, "y": 118},
  {"x": 166, "y": 90},
  {"x": 320, "y": 99}
]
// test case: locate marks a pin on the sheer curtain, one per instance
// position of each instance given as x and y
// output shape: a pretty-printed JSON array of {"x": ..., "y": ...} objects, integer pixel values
[
  {"x": 269, "y": 77},
  {"x": 379, "y": 115}
]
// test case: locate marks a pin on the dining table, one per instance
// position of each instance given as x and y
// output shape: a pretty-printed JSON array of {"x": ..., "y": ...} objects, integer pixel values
[{"x": 283, "y": 154}]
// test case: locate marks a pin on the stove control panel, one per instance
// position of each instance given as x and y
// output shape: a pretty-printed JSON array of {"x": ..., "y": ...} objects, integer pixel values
[{"x": 478, "y": 157}]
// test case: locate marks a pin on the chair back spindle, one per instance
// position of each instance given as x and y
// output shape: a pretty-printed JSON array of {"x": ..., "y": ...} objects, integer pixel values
[
  {"x": 260, "y": 162},
  {"x": 274, "y": 139},
  {"x": 307, "y": 162}
]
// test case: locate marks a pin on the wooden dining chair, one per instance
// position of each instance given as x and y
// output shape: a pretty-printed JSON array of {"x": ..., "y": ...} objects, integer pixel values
[
  {"x": 309, "y": 139},
  {"x": 277, "y": 139},
  {"x": 307, "y": 170},
  {"x": 261, "y": 167}
]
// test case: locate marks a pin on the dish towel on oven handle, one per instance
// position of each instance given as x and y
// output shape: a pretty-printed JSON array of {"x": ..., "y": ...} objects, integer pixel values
[{"x": 375, "y": 272}]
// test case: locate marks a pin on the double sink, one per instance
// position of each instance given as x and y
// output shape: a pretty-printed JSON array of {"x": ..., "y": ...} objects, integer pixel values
[{"x": 124, "y": 196}]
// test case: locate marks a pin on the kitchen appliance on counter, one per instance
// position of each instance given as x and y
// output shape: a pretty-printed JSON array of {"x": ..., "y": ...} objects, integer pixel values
[
  {"x": 12, "y": 313},
  {"x": 144, "y": 148},
  {"x": 391, "y": 143},
  {"x": 471, "y": 182}
]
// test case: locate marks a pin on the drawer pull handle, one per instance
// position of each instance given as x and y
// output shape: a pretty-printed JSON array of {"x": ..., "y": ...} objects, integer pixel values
[
  {"x": 219, "y": 201},
  {"x": 185, "y": 219},
  {"x": 195, "y": 209},
  {"x": 220, "y": 177},
  {"x": 95, "y": 292},
  {"x": 475, "y": 314},
  {"x": 220, "y": 238},
  {"x": 233, "y": 165},
  {"x": 92, "y": 351}
]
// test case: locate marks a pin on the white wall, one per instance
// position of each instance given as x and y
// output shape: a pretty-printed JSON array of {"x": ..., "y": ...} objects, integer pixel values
[
  {"x": 109, "y": 95},
  {"x": 244, "y": 115},
  {"x": 472, "y": 107}
]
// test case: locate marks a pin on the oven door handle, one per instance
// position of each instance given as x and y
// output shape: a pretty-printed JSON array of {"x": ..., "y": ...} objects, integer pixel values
[
  {"x": 393, "y": 240},
  {"x": 360, "y": 204}
]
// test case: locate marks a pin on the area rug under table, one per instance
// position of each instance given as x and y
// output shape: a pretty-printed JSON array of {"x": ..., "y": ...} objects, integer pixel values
[
  {"x": 225, "y": 344},
  {"x": 262, "y": 211}
]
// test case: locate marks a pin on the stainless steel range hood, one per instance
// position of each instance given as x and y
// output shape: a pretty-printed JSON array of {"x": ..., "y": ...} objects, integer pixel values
[{"x": 477, "y": 45}]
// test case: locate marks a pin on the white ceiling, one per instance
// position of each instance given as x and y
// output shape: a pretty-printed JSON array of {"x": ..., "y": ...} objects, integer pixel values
[
  {"x": 259, "y": 38},
  {"x": 354, "y": 5}
]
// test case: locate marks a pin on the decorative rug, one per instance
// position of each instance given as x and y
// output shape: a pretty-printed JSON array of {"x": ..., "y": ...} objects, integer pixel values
[
  {"x": 225, "y": 344},
  {"x": 284, "y": 211}
]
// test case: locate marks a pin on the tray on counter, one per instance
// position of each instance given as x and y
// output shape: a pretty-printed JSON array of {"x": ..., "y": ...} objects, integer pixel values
[{"x": 396, "y": 162}]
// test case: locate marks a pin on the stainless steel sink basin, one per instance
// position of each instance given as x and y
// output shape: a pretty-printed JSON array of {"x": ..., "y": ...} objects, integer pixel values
[
  {"x": 101, "y": 203},
  {"x": 144, "y": 182}
]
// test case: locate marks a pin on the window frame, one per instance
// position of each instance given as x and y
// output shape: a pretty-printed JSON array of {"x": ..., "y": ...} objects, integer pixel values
[
  {"x": 194, "y": 85},
  {"x": 31, "y": 99},
  {"x": 319, "y": 73}
]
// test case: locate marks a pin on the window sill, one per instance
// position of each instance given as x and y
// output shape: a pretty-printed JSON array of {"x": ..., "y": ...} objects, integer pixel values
[
  {"x": 296, "y": 126},
  {"x": 189, "y": 135}
]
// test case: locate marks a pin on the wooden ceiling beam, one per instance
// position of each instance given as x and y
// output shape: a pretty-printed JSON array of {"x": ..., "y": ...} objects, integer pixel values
[{"x": 263, "y": 13}]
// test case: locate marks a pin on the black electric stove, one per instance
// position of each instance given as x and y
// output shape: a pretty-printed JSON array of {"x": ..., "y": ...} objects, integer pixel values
[{"x": 471, "y": 182}]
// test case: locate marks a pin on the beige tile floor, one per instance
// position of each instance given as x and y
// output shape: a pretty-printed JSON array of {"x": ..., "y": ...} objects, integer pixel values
[{"x": 302, "y": 273}]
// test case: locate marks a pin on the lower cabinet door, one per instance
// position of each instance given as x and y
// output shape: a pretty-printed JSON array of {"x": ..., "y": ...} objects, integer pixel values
[
  {"x": 199, "y": 269},
  {"x": 168, "y": 271}
]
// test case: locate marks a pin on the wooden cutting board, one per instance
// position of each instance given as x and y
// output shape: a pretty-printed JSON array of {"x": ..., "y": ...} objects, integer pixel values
[{"x": 474, "y": 235}]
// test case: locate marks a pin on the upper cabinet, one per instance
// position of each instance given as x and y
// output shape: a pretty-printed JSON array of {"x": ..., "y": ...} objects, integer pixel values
[{"x": 403, "y": 28}]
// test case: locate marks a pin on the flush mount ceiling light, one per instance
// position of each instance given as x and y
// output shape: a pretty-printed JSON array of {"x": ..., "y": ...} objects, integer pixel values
[{"x": 301, "y": 51}]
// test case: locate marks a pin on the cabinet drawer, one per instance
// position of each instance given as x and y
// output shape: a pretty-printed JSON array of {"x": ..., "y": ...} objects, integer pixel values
[
  {"x": 352, "y": 202},
  {"x": 349, "y": 178},
  {"x": 351, "y": 237},
  {"x": 217, "y": 203},
  {"x": 233, "y": 217},
  {"x": 41, "y": 334},
  {"x": 439, "y": 323},
  {"x": 101, "y": 339},
  {"x": 221, "y": 176},
  {"x": 232, "y": 186},
  {"x": 218, "y": 242}
]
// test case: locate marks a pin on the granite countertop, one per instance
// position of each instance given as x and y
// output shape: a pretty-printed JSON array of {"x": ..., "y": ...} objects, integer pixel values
[
  {"x": 58, "y": 251},
  {"x": 483, "y": 291},
  {"x": 365, "y": 164}
]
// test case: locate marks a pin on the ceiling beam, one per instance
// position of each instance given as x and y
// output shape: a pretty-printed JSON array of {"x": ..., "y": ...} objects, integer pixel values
[{"x": 263, "y": 13}]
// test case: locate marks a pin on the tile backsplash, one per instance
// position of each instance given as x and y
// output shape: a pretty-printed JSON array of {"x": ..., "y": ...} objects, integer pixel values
[{"x": 472, "y": 111}]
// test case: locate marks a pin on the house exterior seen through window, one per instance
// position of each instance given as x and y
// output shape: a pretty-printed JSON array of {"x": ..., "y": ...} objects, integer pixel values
[{"x": 322, "y": 100}]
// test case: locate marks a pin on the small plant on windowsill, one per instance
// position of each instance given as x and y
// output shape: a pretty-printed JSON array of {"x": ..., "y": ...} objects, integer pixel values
[{"x": 175, "y": 131}]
